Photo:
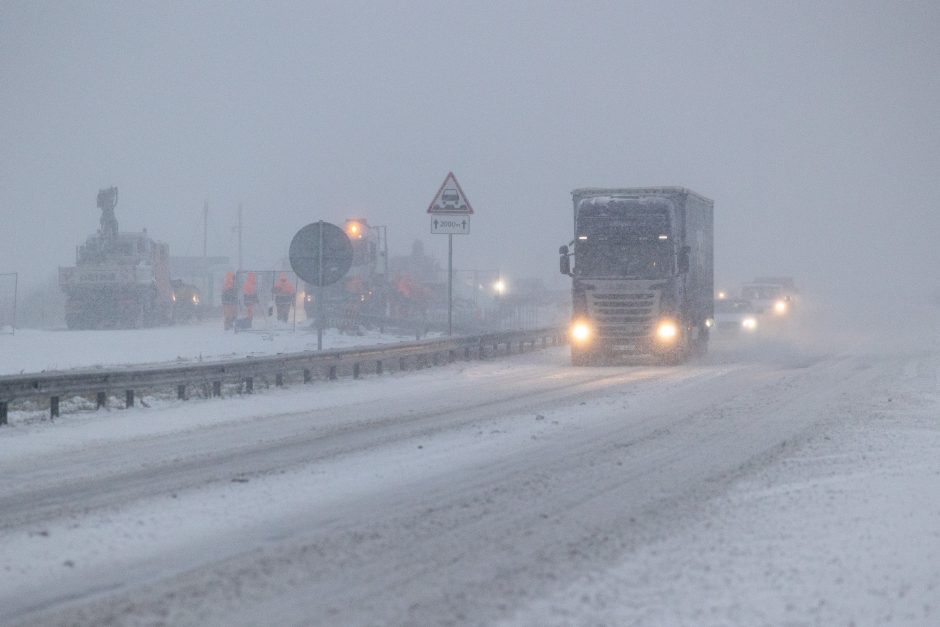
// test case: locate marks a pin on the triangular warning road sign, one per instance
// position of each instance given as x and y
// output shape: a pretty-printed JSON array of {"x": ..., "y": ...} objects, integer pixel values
[{"x": 450, "y": 199}]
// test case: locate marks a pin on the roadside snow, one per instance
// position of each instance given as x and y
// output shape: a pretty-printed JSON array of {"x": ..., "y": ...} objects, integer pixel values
[{"x": 31, "y": 350}]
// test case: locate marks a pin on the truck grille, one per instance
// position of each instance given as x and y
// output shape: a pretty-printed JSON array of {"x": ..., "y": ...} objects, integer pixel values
[{"x": 625, "y": 318}]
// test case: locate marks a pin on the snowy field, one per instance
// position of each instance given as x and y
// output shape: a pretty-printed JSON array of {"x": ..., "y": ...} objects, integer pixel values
[
  {"x": 780, "y": 480},
  {"x": 32, "y": 350}
]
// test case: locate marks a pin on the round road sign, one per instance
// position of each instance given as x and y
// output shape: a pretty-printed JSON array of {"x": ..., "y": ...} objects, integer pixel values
[{"x": 321, "y": 241}]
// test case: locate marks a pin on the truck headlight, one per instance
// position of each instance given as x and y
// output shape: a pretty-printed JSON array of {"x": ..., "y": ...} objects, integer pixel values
[
  {"x": 749, "y": 323},
  {"x": 581, "y": 332},
  {"x": 780, "y": 307},
  {"x": 667, "y": 330}
]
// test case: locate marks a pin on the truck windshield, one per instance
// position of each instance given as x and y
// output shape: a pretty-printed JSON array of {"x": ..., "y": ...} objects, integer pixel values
[{"x": 639, "y": 260}]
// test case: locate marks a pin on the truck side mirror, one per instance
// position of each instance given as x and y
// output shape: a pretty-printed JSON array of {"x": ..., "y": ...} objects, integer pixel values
[
  {"x": 564, "y": 262},
  {"x": 683, "y": 261}
]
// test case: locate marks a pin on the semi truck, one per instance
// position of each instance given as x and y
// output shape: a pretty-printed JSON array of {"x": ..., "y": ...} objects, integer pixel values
[{"x": 642, "y": 274}]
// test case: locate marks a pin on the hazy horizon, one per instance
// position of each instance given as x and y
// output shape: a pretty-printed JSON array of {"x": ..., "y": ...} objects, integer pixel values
[{"x": 813, "y": 127}]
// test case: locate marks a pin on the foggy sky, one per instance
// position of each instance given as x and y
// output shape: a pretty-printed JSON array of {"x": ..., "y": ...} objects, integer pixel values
[{"x": 815, "y": 127}]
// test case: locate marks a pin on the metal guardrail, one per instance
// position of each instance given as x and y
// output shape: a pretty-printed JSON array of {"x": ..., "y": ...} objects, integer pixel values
[{"x": 328, "y": 364}]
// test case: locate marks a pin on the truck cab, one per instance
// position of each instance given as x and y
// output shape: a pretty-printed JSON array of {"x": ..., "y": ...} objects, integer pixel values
[{"x": 642, "y": 274}]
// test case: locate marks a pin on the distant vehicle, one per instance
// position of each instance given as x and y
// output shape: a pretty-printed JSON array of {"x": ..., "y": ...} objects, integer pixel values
[
  {"x": 119, "y": 279},
  {"x": 771, "y": 295},
  {"x": 363, "y": 293},
  {"x": 642, "y": 281},
  {"x": 735, "y": 315},
  {"x": 187, "y": 302}
]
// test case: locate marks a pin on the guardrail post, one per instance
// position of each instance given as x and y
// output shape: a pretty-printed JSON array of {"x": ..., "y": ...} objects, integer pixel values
[
  {"x": 356, "y": 370},
  {"x": 466, "y": 352},
  {"x": 101, "y": 400},
  {"x": 543, "y": 341},
  {"x": 279, "y": 379},
  {"x": 451, "y": 356},
  {"x": 181, "y": 392},
  {"x": 54, "y": 407},
  {"x": 378, "y": 367},
  {"x": 249, "y": 385},
  {"x": 3, "y": 412},
  {"x": 216, "y": 388},
  {"x": 128, "y": 399},
  {"x": 332, "y": 373},
  {"x": 402, "y": 366},
  {"x": 307, "y": 376}
]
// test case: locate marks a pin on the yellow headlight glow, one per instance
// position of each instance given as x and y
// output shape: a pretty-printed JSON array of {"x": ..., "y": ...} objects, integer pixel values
[
  {"x": 667, "y": 330},
  {"x": 749, "y": 323},
  {"x": 780, "y": 307},
  {"x": 580, "y": 332},
  {"x": 354, "y": 229}
]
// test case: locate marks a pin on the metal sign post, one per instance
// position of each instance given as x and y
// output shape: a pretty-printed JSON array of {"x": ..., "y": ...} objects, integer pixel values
[
  {"x": 450, "y": 215},
  {"x": 450, "y": 284},
  {"x": 321, "y": 254},
  {"x": 320, "y": 286}
]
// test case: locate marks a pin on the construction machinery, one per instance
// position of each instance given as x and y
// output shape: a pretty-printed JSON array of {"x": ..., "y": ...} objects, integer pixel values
[
  {"x": 120, "y": 280},
  {"x": 361, "y": 295}
]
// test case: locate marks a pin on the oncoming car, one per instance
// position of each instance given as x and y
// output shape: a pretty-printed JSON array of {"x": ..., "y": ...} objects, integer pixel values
[
  {"x": 735, "y": 315},
  {"x": 768, "y": 298}
]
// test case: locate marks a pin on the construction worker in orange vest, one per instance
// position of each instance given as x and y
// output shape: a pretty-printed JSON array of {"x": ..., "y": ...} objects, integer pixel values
[
  {"x": 283, "y": 296},
  {"x": 250, "y": 296},
  {"x": 229, "y": 300}
]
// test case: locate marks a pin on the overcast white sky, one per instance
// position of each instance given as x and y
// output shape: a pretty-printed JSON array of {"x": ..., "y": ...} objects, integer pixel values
[{"x": 814, "y": 126}]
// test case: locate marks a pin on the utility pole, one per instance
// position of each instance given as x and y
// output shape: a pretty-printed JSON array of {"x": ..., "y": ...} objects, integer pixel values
[
  {"x": 240, "y": 266},
  {"x": 205, "y": 229}
]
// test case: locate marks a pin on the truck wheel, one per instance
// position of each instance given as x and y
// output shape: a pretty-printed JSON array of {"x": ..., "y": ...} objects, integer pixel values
[
  {"x": 679, "y": 354},
  {"x": 700, "y": 346},
  {"x": 581, "y": 358}
]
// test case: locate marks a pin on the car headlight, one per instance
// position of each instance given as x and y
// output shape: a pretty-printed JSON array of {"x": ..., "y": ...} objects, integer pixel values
[
  {"x": 581, "y": 332},
  {"x": 667, "y": 330},
  {"x": 749, "y": 323},
  {"x": 780, "y": 307}
]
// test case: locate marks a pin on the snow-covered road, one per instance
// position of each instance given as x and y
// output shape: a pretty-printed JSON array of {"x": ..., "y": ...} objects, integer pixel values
[{"x": 765, "y": 484}]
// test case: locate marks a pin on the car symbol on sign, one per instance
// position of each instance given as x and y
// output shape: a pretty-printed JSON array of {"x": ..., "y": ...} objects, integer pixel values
[{"x": 450, "y": 198}]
